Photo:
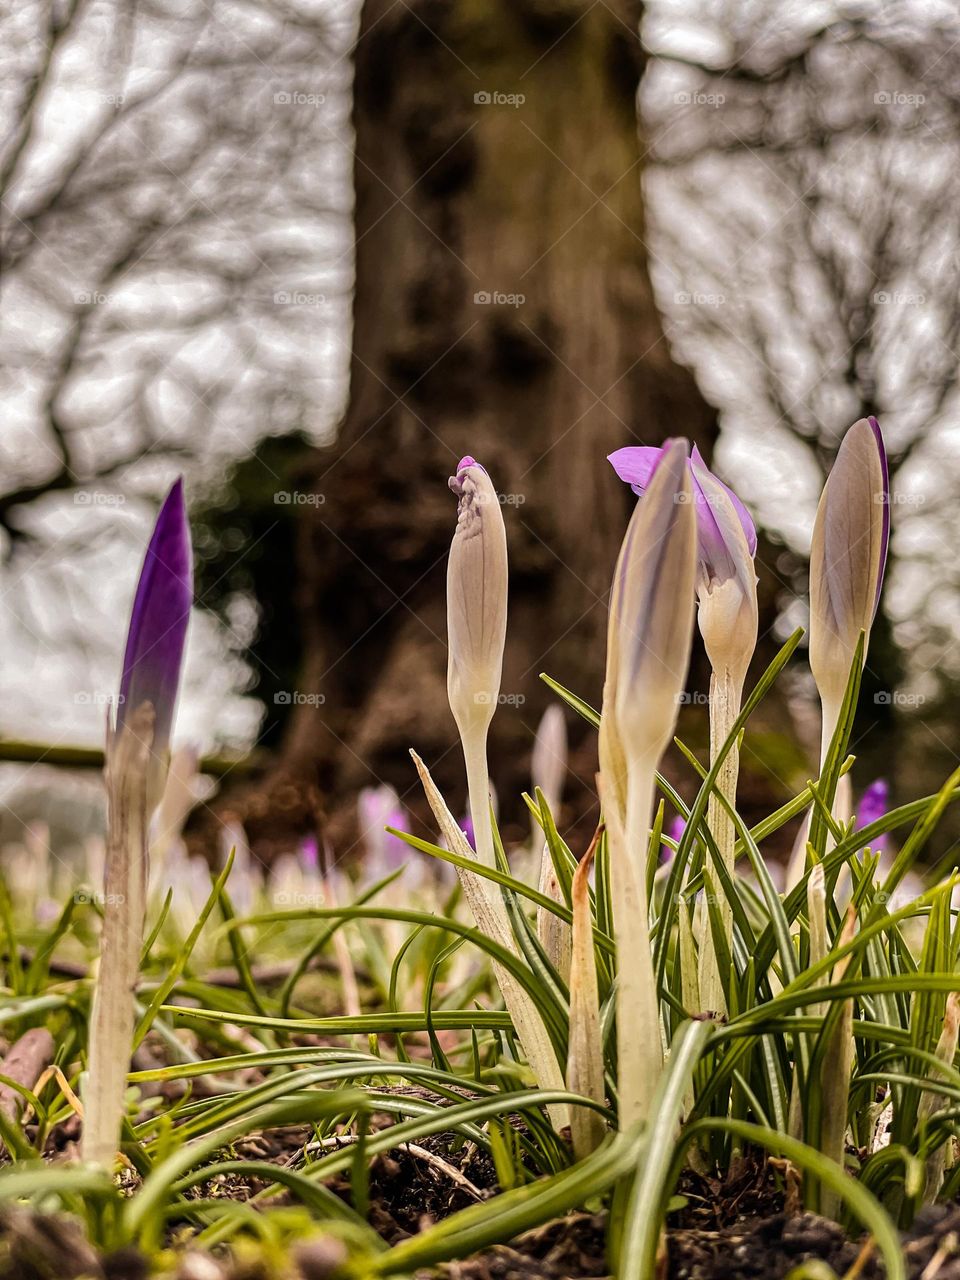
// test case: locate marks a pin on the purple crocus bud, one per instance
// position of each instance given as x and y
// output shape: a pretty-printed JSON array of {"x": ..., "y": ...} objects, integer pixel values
[
  {"x": 137, "y": 763},
  {"x": 873, "y": 805},
  {"x": 726, "y": 545},
  {"x": 158, "y": 623},
  {"x": 379, "y": 808},
  {"x": 636, "y": 465}
]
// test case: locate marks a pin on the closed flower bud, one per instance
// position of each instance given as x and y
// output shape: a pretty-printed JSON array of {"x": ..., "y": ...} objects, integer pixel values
[
  {"x": 847, "y": 557},
  {"x": 652, "y": 608},
  {"x": 476, "y": 598}
]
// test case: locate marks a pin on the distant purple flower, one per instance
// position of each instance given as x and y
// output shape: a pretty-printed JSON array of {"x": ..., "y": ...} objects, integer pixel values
[
  {"x": 873, "y": 805},
  {"x": 467, "y": 828},
  {"x": 310, "y": 855},
  {"x": 636, "y": 465},
  {"x": 379, "y": 808},
  {"x": 158, "y": 622},
  {"x": 675, "y": 832}
]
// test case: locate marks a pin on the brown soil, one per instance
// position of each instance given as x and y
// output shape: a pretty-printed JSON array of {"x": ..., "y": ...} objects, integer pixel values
[{"x": 734, "y": 1229}]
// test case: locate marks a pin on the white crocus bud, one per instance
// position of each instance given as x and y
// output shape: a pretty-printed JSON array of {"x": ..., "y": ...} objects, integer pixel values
[
  {"x": 476, "y": 631},
  {"x": 847, "y": 559},
  {"x": 476, "y": 598},
  {"x": 652, "y": 606},
  {"x": 648, "y": 651}
]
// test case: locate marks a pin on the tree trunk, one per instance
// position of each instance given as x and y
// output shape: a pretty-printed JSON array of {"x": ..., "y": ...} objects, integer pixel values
[{"x": 504, "y": 309}]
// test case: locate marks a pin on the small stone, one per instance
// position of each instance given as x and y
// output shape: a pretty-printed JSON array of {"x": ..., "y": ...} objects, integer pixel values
[
  {"x": 199, "y": 1266},
  {"x": 321, "y": 1258}
]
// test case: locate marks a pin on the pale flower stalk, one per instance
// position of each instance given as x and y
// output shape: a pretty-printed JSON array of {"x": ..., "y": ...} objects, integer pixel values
[
  {"x": 837, "y": 1066},
  {"x": 585, "y": 1056},
  {"x": 728, "y": 621},
  {"x": 648, "y": 650}
]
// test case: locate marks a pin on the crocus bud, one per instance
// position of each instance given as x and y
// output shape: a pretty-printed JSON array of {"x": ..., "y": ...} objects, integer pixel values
[
  {"x": 476, "y": 598},
  {"x": 548, "y": 765},
  {"x": 847, "y": 558},
  {"x": 726, "y": 545},
  {"x": 476, "y": 631},
  {"x": 636, "y": 464},
  {"x": 157, "y": 633},
  {"x": 651, "y": 608}
]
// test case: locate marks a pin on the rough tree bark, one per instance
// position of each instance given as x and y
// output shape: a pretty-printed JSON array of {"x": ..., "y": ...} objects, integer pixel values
[{"x": 497, "y": 156}]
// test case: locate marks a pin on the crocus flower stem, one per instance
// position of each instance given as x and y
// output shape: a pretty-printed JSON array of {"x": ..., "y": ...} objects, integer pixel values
[
  {"x": 124, "y": 905},
  {"x": 478, "y": 791},
  {"x": 137, "y": 762},
  {"x": 725, "y": 699},
  {"x": 640, "y": 1046},
  {"x": 585, "y": 1054}
]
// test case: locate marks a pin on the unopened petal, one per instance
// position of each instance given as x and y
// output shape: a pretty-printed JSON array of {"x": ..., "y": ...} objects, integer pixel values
[{"x": 158, "y": 621}]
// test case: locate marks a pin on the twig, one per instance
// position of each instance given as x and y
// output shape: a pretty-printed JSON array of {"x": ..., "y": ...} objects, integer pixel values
[
  {"x": 448, "y": 1170},
  {"x": 25, "y": 1063}
]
